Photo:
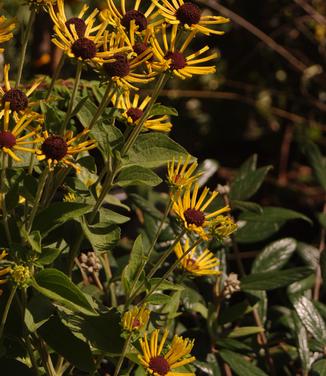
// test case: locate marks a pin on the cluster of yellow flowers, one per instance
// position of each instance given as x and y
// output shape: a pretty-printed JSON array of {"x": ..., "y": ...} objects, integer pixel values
[{"x": 189, "y": 207}]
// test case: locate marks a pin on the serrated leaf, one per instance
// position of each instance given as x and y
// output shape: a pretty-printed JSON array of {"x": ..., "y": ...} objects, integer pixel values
[
  {"x": 310, "y": 317},
  {"x": 274, "y": 279},
  {"x": 57, "y": 214},
  {"x": 246, "y": 185},
  {"x": 239, "y": 365},
  {"x": 61, "y": 339},
  {"x": 154, "y": 150},
  {"x": 58, "y": 287},
  {"x": 136, "y": 260},
  {"x": 274, "y": 256},
  {"x": 138, "y": 175}
]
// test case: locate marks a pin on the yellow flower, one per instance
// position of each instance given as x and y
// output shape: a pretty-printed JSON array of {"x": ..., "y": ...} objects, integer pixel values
[
  {"x": 136, "y": 318},
  {"x": 181, "y": 177},
  {"x": 10, "y": 139},
  {"x": 4, "y": 272},
  {"x": 121, "y": 67},
  {"x": 195, "y": 262},
  {"x": 134, "y": 110},
  {"x": 57, "y": 149},
  {"x": 70, "y": 197},
  {"x": 79, "y": 38},
  {"x": 18, "y": 99},
  {"x": 189, "y": 15},
  {"x": 133, "y": 20},
  {"x": 171, "y": 58},
  {"x": 191, "y": 211},
  {"x": 162, "y": 363},
  {"x": 6, "y": 28}
]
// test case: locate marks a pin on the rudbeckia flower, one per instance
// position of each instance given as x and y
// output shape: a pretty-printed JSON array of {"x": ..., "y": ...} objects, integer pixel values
[
  {"x": 161, "y": 362},
  {"x": 189, "y": 15},
  {"x": 18, "y": 99},
  {"x": 12, "y": 140},
  {"x": 136, "y": 318},
  {"x": 171, "y": 58},
  {"x": 6, "y": 28},
  {"x": 197, "y": 262},
  {"x": 134, "y": 109},
  {"x": 79, "y": 38},
  {"x": 57, "y": 149},
  {"x": 181, "y": 177},
  {"x": 190, "y": 209}
]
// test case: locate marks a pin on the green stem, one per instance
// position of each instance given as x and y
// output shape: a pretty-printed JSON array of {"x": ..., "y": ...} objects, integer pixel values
[
  {"x": 137, "y": 129},
  {"x": 6, "y": 310},
  {"x": 170, "y": 270},
  {"x": 155, "y": 268},
  {"x": 149, "y": 253},
  {"x": 72, "y": 98},
  {"x": 3, "y": 202},
  {"x": 55, "y": 75},
  {"x": 38, "y": 196},
  {"x": 102, "y": 106},
  {"x": 24, "y": 46},
  {"x": 123, "y": 354}
]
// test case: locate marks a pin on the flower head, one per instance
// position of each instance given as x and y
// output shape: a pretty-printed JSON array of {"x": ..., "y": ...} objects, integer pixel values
[
  {"x": 182, "y": 177},
  {"x": 12, "y": 138},
  {"x": 21, "y": 275},
  {"x": 189, "y": 15},
  {"x": 134, "y": 109},
  {"x": 57, "y": 149},
  {"x": 160, "y": 361},
  {"x": 171, "y": 58},
  {"x": 80, "y": 38},
  {"x": 197, "y": 262},
  {"x": 136, "y": 318},
  {"x": 18, "y": 99},
  {"x": 191, "y": 211},
  {"x": 6, "y": 28}
]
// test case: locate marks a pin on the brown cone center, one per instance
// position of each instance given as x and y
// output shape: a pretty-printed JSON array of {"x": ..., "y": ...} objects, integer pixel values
[
  {"x": 139, "y": 17},
  {"x": 7, "y": 139},
  {"x": 178, "y": 61},
  {"x": 17, "y": 99},
  {"x": 80, "y": 26},
  {"x": 188, "y": 14},
  {"x": 55, "y": 148},
  {"x": 194, "y": 217},
  {"x": 159, "y": 365},
  {"x": 84, "y": 48}
]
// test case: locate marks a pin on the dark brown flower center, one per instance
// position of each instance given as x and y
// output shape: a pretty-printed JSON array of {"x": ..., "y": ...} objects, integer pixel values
[
  {"x": 84, "y": 48},
  {"x": 194, "y": 217},
  {"x": 80, "y": 26},
  {"x": 17, "y": 99},
  {"x": 159, "y": 365},
  {"x": 188, "y": 14},
  {"x": 139, "y": 17},
  {"x": 7, "y": 139},
  {"x": 118, "y": 68},
  {"x": 178, "y": 61},
  {"x": 54, "y": 147},
  {"x": 135, "y": 114},
  {"x": 192, "y": 263},
  {"x": 136, "y": 323}
]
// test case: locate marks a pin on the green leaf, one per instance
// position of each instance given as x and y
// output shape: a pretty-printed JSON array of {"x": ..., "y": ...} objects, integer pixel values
[
  {"x": 239, "y": 365},
  {"x": 33, "y": 239},
  {"x": 310, "y": 317},
  {"x": 104, "y": 332},
  {"x": 159, "y": 110},
  {"x": 61, "y": 340},
  {"x": 138, "y": 175},
  {"x": 58, "y": 287},
  {"x": 317, "y": 162},
  {"x": 102, "y": 236},
  {"x": 145, "y": 205},
  {"x": 136, "y": 260},
  {"x": 302, "y": 285},
  {"x": 158, "y": 299},
  {"x": 245, "y": 331},
  {"x": 319, "y": 368},
  {"x": 246, "y": 185},
  {"x": 86, "y": 113},
  {"x": 109, "y": 216},
  {"x": 274, "y": 256},
  {"x": 246, "y": 206},
  {"x": 48, "y": 256},
  {"x": 233, "y": 313},
  {"x": 154, "y": 150},
  {"x": 274, "y": 279},
  {"x": 81, "y": 103},
  {"x": 309, "y": 254},
  {"x": 57, "y": 214},
  {"x": 257, "y": 227},
  {"x": 302, "y": 339}
]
